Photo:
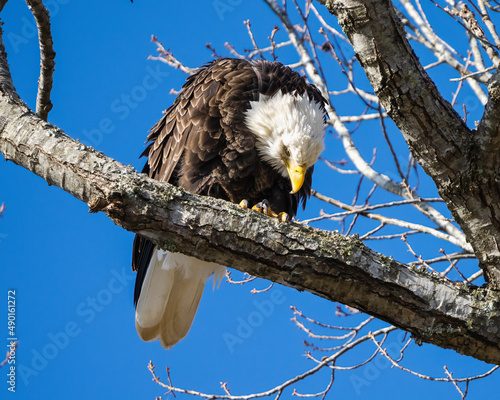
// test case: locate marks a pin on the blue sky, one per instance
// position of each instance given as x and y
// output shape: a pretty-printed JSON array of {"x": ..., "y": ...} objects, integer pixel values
[{"x": 71, "y": 269}]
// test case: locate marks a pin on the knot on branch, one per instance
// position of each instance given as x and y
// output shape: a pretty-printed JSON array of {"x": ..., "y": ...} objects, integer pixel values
[
  {"x": 114, "y": 208},
  {"x": 97, "y": 204}
]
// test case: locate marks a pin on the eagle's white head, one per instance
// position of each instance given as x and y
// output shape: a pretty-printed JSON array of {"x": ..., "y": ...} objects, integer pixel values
[{"x": 290, "y": 132}]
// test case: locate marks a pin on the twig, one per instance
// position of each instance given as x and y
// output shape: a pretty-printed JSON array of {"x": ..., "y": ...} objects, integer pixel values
[
  {"x": 381, "y": 218},
  {"x": 168, "y": 58},
  {"x": 323, "y": 325},
  {"x": 9, "y": 352},
  {"x": 278, "y": 389},
  {"x": 212, "y": 49},
  {"x": 461, "y": 82},
  {"x": 330, "y": 29},
  {"x": 255, "y": 291},
  {"x": 453, "y": 265},
  {"x": 391, "y": 148},
  {"x": 245, "y": 280},
  {"x": 427, "y": 377},
  {"x": 224, "y": 387},
  {"x": 472, "y": 74},
  {"x": 453, "y": 256},
  {"x": 421, "y": 261},
  {"x": 250, "y": 33},
  {"x": 390, "y": 237},
  {"x": 449, "y": 375},
  {"x": 373, "y": 231},
  {"x": 234, "y": 52},
  {"x": 273, "y": 43}
]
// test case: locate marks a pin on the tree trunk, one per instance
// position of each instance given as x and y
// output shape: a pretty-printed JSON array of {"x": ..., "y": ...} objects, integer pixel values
[{"x": 463, "y": 163}]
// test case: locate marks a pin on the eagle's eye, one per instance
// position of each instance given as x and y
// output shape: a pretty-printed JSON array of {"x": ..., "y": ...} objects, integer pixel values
[{"x": 286, "y": 151}]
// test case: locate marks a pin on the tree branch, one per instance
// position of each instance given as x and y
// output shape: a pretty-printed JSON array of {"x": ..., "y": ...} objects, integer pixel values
[
  {"x": 489, "y": 128},
  {"x": 47, "y": 55}
]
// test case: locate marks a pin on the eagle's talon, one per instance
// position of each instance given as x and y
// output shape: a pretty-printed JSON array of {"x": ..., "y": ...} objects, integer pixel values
[
  {"x": 264, "y": 207},
  {"x": 244, "y": 204},
  {"x": 283, "y": 217},
  {"x": 257, "y": 207}
]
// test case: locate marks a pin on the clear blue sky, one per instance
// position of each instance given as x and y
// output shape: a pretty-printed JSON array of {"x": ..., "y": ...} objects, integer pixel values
[{"x": 71, "y": 269}]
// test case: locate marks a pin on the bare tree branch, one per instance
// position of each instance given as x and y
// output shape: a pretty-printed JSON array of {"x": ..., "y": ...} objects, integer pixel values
[
  {"x": 385, "y": 220},
  {"x": 168, "y": 58},
  {"x": 278, "y": 389},
  {"x": 47, "y": 56}
]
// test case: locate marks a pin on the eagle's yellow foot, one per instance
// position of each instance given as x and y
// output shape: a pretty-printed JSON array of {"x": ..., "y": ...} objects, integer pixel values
[
  {"x": 264, "y": 208},
  {"x": 283, "y": 217},
  {"x": 244, "y": 204}
]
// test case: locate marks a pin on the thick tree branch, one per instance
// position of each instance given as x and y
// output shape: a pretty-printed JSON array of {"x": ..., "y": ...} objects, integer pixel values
[
  {"x": 47, "y": 55},
  {"x": 325, "y": 263},
  {"x": 439, "y": 139}
]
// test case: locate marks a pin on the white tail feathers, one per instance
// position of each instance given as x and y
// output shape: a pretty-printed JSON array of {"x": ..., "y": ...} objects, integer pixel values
[{"x": 170, "y": 295}]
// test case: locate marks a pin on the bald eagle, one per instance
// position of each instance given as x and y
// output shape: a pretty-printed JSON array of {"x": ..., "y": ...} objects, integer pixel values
[{"x": 246, "y": 132}]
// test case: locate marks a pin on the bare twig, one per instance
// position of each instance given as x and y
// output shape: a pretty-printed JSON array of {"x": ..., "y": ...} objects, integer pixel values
[
  {"x": 427, "y": 377},
  {"x": 12, "y": 349},
  {"x": 247, "y": 278},
  {"x": 278, "y": 389},
  {"x": 452, "y": 264},
  {"x": 252, "y": 38},
  {"x": 381, "y": 218},
  {"x": 273, "y": 43},
  {"x": 255, "y": 291},
  {"x": 168, "y": 58},
  {"x": 472, "y": 74}
]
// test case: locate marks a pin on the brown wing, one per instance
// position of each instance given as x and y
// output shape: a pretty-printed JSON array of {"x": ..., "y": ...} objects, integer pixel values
[
  {"x": 187, "y": 137},
  {"x": 189, "y": 112}
]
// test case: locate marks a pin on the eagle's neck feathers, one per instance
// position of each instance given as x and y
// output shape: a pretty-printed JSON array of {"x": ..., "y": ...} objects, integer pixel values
[{"x": 288, "y": 127}]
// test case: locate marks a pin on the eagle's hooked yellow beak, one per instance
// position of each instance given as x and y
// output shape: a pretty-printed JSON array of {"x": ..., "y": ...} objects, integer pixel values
[{"x": 297, "y": 174}]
